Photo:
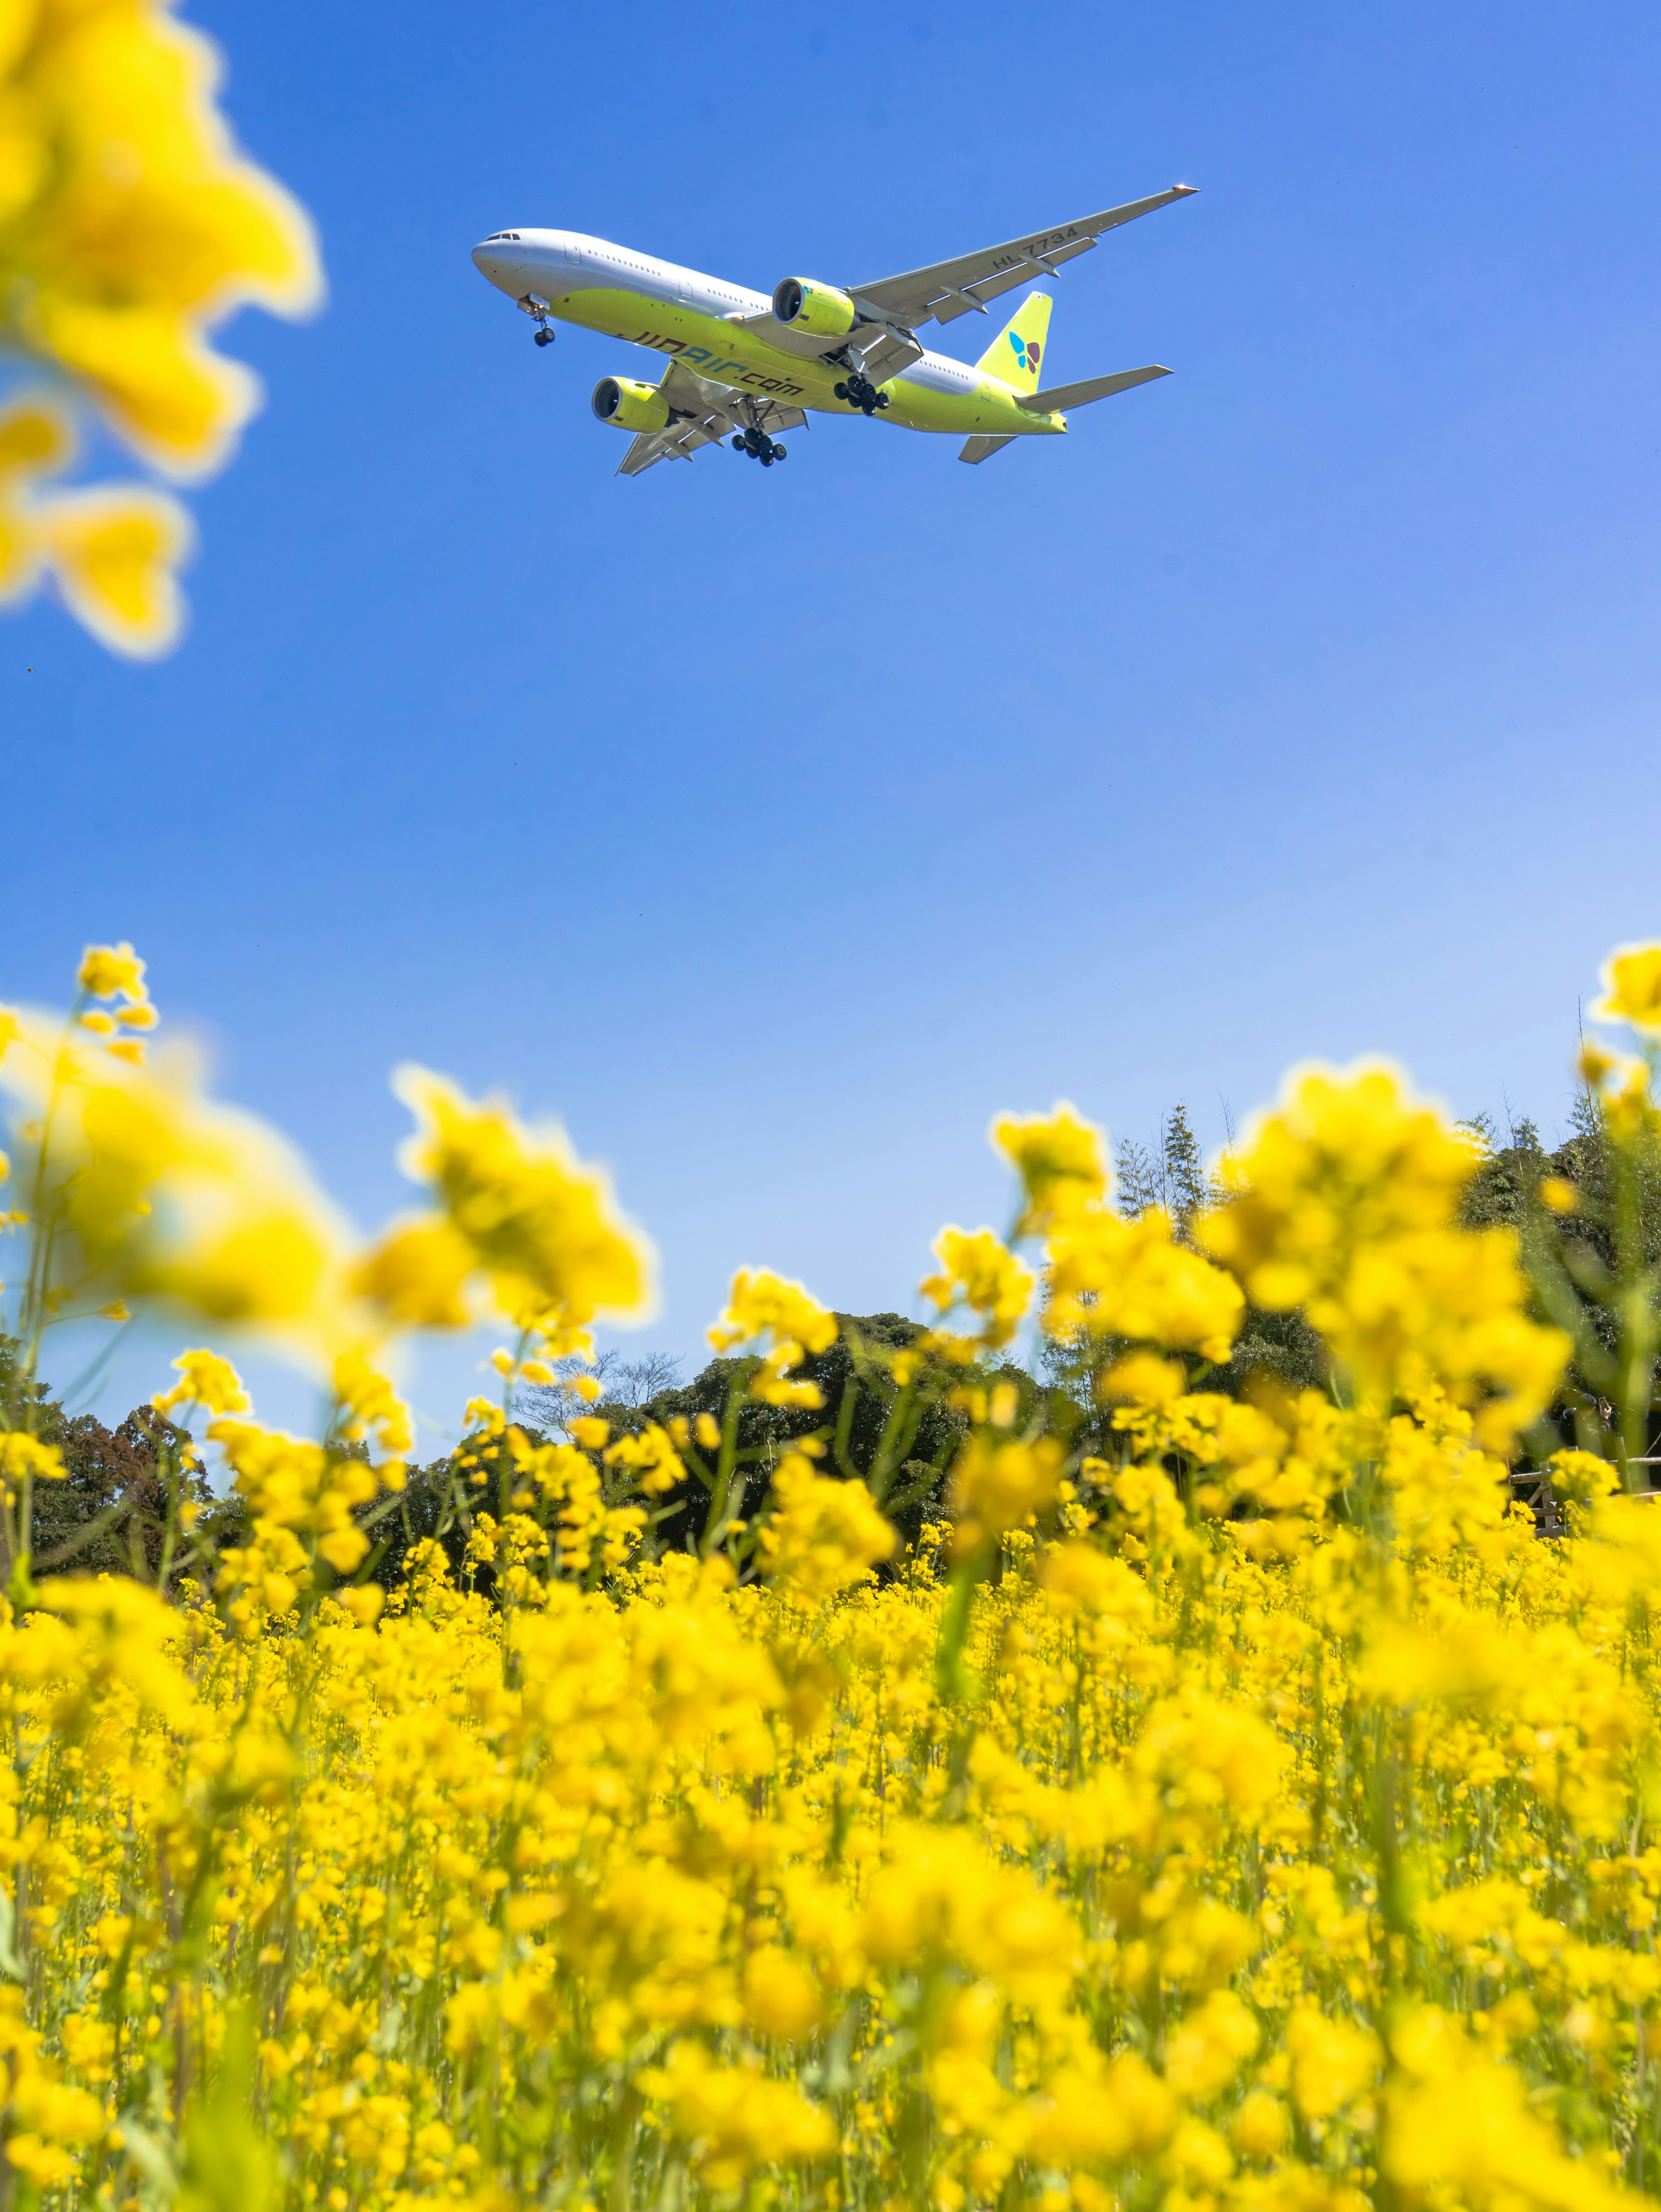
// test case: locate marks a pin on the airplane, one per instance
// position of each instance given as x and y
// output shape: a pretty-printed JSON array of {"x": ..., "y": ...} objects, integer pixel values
[{"x": 746, "y": 367}]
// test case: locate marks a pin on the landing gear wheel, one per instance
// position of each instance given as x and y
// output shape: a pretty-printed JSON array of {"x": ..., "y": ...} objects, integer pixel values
[
  {"x": 778, "y": 453},
  {"x": 882, "y": 400},
  {"x": 841, "y": 391},
  {"x": 766, "y": 460},
  {"x": 544, "y": 338},
  {"x": 738, "y": 445}
]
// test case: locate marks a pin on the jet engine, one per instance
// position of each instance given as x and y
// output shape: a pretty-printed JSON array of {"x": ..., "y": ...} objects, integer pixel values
[
  {"x": 630, "y": 404},
  {"x": 820, "y": 308}
]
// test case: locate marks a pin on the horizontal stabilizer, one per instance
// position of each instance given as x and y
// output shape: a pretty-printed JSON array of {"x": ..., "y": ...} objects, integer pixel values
[
  {"x": 976, "y": 449},
  {"x": 1061, "y": 397}
]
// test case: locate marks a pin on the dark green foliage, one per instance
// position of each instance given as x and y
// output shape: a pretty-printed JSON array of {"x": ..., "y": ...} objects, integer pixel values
[
  {"x": 423, "y": 1510},
  {"x": 858, "y": 1396},
  {"x": 1276, "y": 1348},
  {"x": 108, "y": 1514}
]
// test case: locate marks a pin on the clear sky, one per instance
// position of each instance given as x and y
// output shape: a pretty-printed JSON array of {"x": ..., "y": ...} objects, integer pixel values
[{"x": 775, "y": 828}]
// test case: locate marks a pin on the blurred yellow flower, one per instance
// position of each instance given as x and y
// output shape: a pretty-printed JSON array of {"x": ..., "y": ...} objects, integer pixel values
[
  {"x": 997, "y": 1483},
  {"x": 370, "y": 1407},
  {"x": 129, "y": 224},
  {"x": 979, "y": 1271},
  {"x": 823, "y": 1534},
  {"x": 763, "y": 1304},
  {"x": 110, "y": 971},
  {"x": 1631, "y": 978},
  {"x": 114, "y": 551},
  {"x": 1344, "y": 1200},
  {"x": 1110, "y": 1277},
  {"x": 204, "y": 1380},
  {"x": 155, "y": 1193},
  {"x": 1058, "y": 1156},
  {"x": 515, "y": 1209}
]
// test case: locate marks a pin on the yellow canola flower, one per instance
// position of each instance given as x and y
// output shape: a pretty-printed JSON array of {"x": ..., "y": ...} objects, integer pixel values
[
  {"x": 110, "y": 971},
  {"x": 762, "y": 1304},
  {"x": 1459, "y": 2128},
  {"x": 22, "y": 1455},
  {"x": 786, "y": 1321},
  {"x": 998, "y": 1483},
  {"x": 822, "y": 1534},
  {"x": 735, "y": 2118},
  {"x": 114, "y": 550},
  {"x": 369, "y": 1405},
  {"x": 513, "y": 1206},
  {"x": 651, "y": 1458},
  {"x": 1108, "y": 1276},
  {"x": 1344, "y": 1201},
  {"x": 158, "y": 1195},
  {"x": 1631, "y": 978},
  {"x": 129, "y": 224},
  {"x": 204, "y": 1380},
  {"x": 1059, "y": 1158},
  {"x": 979, "y": 1271}
]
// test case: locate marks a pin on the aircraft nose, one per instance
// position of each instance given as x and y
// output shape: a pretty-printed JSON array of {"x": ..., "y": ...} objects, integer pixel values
[{"x": 498, "y": 258}]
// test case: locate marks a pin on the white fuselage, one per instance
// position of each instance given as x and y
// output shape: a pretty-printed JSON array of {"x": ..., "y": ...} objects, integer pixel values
[{"x": 698, "y": 320}]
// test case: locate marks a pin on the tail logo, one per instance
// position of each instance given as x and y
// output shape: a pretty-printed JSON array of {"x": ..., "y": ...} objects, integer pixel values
[{"x": 1026, "y": 349}]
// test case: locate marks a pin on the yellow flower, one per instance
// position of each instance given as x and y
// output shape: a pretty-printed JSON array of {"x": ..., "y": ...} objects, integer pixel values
[
  {"x": 155, "y": 1192},
  {"x": 780, "y": 1998},
  {"x": 418, "y": 1275},
  {"x": 735, "y": 2118},
  {"x": 21, "y": 1454},
  {"x": 997, "y": 1482},
  {"x": 514, "y": 1207},
  {"x": 1332, "y": 2062},
  {"x": 1631, "y": 977},
  {"x": 207, "y": 1381},
  {"x": 1108, "y": 1276},
  {"x": 763, "y": 1304},
  {"x": 821, "y": 1534},
  {"x": 113, "y": 550},
  {"x": 1345, "y": 1202},
  {"x": 131, "y": 224},
  {"x": 110, "y": 971},
  {"x": 1058, "y": 1157},
  {"x": 978, "y": 1270},
  {"x": 368, "y": 1403},
  {"x": 651, "y": 1458}
]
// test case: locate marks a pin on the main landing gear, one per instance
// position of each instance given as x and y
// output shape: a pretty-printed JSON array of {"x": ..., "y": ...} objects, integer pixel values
[
  {"x": 859, "y": 392},
  {"x": 759, "y": 446}
]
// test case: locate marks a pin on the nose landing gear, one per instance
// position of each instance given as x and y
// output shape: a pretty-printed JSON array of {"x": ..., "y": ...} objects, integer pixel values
[
  {"x": 759, "y": 446},
  {"x": 859, "y": 392},
  {"x": 537, "y": 310}
]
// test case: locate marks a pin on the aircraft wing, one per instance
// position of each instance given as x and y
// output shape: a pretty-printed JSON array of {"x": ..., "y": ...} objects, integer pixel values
[
  {"x": 950, "y": 289},
  {"x": 882, "y": 351},
  {"x": 701, "y": 414}
]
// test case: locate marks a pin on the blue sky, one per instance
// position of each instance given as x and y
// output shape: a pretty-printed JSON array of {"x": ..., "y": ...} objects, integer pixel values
[{"x": 773, "y": 829}]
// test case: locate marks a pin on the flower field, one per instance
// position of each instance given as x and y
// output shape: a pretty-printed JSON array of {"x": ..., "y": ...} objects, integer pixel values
[{"x": 1254, "y": 1813}]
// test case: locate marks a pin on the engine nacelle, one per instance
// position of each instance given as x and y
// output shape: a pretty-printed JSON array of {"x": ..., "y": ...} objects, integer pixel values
[
  {"x": 631, "y": 406},
  {"x": 820, "y": 308}
]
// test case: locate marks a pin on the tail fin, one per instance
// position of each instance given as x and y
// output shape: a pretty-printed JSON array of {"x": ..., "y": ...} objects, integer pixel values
[{"x": 1016, "y": 353}]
